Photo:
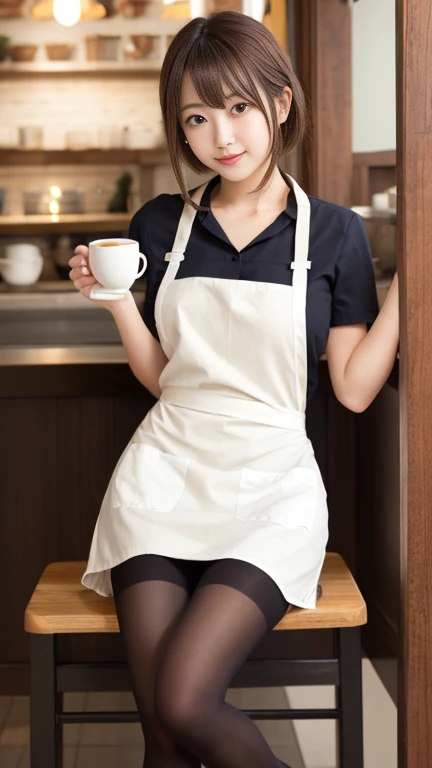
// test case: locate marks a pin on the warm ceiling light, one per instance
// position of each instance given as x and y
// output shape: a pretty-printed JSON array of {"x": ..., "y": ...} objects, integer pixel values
[
  {"x": 65, "y": 10},
  {"x": 67, "y": 13}
]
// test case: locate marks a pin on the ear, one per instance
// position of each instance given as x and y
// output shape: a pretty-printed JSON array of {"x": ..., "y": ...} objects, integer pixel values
[{"x": 283, "y": 104}]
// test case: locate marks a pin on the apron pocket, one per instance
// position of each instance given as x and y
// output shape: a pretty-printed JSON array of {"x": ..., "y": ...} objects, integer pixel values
[
  {"x": 147, "y": 477},
  {"x": 288, "y": 498}
]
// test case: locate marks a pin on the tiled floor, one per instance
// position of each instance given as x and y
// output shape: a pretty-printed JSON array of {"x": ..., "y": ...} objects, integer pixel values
[
  {"x": 317, "y": 739},
  {"x": 122, "y": 745}
]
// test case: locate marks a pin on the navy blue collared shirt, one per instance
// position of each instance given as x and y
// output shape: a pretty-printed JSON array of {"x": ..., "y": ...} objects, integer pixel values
[{"x": 341, "y": 283}]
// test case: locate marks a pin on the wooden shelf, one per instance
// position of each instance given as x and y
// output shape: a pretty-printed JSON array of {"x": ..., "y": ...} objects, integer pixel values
[
  {"x": 134, "y": 67},
  {"x": 39, "y": 295},
  {"x": 64, "y": 223},
  {"x": 86, "y": 157}
]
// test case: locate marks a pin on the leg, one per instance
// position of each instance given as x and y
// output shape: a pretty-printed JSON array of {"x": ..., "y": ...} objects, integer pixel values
[
  {"x": 221, "y": 626},
  {"x": 46, "y": 747},
  {"x": 151, "y": 593},
  {"x": 350, "y": 698}
]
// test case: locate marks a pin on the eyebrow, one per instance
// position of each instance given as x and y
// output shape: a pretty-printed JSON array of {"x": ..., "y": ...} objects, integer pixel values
[{"x": 198, "y": 104}]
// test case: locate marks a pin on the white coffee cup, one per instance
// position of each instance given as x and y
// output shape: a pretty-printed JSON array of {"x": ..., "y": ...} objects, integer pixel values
[
  {"x": 115, "y": 264},
  {"x": 21, "y": 251},
  {"x": 23, "y": 264}
]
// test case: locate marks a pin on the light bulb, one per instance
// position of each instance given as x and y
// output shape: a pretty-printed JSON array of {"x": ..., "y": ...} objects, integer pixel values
[
  {"x": 198, "y": 8},
  {"x": 55, "y": 191},
  {"x": 67, "y": 12},
  {"x": 54, "y": 207},
  {"x": 255, "y": 9}
]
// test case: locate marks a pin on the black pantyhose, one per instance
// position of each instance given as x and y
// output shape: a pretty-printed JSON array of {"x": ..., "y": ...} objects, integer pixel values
[{"x": 187, "y": 628}]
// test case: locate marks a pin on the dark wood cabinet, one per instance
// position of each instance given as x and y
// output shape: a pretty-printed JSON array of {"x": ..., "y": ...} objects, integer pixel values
[
  {"x": 63, "y": 429},
  {"x": 378, "y": 540}
]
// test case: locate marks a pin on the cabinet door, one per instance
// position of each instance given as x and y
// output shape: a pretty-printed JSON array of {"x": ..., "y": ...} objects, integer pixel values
[
  {"x": 29, "y": 521},
  {"x": 378, "y": 531},
  {"x": 92, "y": 434}
]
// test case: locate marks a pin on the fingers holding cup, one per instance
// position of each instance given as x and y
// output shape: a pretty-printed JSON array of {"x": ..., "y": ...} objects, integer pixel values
[{"x": 83, "y": 251}]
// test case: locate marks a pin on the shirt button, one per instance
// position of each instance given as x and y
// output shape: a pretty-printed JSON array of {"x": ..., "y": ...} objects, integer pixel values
[{"x": 236, "y": 257}]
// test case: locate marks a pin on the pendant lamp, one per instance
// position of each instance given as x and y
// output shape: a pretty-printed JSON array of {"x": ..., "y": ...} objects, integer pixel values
[{"x": 43, "y": 10}]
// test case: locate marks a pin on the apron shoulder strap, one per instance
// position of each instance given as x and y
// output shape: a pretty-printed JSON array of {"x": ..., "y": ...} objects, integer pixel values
[
  {"x": 185, "y": 226},
  {"x": 299, "y": 283}
]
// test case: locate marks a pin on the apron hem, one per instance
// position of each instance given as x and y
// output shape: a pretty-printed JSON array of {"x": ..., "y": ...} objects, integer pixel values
[{"x": 103, "y": 575}]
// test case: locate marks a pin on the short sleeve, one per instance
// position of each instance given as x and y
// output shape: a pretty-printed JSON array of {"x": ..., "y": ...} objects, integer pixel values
[
  {"x": 134, "y": 233},
  {"x": 354, "y": 292},
  {"x": 138, "y": 231}
]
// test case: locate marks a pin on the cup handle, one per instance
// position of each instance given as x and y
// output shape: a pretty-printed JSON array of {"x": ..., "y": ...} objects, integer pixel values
[{"x": 141, "y": 272}]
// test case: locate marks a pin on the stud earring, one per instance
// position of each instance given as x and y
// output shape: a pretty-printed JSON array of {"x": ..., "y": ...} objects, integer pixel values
[{"x": 186, "y": 141}]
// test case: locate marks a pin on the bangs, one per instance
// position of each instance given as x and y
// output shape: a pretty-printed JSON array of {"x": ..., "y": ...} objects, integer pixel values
[{"x": 215, "y": 71}]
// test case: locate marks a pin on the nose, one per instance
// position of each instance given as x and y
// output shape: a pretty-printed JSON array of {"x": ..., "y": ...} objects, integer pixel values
[{"x": 223, "y": 132}]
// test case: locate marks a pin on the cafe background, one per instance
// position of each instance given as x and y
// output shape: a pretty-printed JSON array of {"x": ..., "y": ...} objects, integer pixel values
[{"x": 81, "y": 148}]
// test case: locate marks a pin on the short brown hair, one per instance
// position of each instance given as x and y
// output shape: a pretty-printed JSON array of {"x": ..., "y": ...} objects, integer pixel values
[{"x": 229, "y": 48}]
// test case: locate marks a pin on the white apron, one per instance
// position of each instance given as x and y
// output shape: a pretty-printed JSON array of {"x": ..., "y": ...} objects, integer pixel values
[{"x": 221, "y": 466}]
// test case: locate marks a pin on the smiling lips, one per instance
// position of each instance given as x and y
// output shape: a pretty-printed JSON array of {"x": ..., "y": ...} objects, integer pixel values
[{"x": 229, "y": 159}]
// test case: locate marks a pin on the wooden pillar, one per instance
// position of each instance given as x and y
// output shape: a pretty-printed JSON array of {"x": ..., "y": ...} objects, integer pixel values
[
  {"x": 414, "y": 180},
  {"x": 323, "y": 64}
]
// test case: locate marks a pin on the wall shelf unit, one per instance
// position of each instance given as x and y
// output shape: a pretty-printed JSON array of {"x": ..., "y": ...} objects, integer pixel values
[
  {"x": 137, "y": 67},
  {"x": 21, "y": 157}
]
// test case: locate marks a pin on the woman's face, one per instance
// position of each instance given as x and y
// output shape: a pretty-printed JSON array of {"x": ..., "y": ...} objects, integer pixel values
[{"x": 237, "y": 129}]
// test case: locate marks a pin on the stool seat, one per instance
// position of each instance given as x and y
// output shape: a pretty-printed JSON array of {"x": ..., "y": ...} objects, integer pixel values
[{"x": 61, "y": 604}]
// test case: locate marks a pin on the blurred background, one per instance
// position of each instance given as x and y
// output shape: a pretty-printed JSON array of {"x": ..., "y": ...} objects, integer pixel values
[
  {"x": 81, "y": 137},
  {"x": 82, "y": 144}
]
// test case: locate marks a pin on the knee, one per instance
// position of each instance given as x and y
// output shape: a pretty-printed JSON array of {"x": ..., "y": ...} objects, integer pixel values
[
  {"x": 162, "y": 737},
  {"x": 179, "y": 706},
  {"x": 156, "y": 735}
]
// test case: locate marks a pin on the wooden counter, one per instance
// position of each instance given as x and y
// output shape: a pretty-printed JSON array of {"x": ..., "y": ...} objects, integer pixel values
[{"x": 66, "y": 223}]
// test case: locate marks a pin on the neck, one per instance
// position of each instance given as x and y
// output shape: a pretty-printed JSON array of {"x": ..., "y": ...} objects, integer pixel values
[{"x": 236, "y": 194}]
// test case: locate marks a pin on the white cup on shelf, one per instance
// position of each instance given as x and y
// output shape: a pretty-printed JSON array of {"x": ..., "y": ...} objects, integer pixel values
[
  {"x": 380, "y": 201},
  {"x": 23, "y": 264},
  {"x": 110, "y": 137},
  {"x": 30, "y": 137},
  {"x": 8, "y": 137}
]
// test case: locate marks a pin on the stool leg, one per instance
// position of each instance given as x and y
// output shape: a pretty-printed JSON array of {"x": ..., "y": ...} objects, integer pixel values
[
  {"x": 46, "y": 747},
  {"x": 350, "y": 698}
]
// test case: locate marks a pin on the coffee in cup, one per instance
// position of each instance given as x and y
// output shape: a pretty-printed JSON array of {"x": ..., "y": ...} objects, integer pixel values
[{"x": 115, "y": 265}]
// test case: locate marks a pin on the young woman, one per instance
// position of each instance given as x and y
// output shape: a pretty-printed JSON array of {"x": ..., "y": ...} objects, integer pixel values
[{"x": 215, "y": 519}]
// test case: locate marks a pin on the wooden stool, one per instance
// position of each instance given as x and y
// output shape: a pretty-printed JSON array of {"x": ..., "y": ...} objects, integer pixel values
[{"x": 61, "y": 605}]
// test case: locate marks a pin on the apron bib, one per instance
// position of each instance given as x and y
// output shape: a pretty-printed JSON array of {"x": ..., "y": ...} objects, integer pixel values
[{"x": 222, "y": 466}]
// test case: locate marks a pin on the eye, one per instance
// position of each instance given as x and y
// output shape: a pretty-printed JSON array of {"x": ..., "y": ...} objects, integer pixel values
[
  {"x": 242, "y": 104},
  {"x": 192, "y": 117}
]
